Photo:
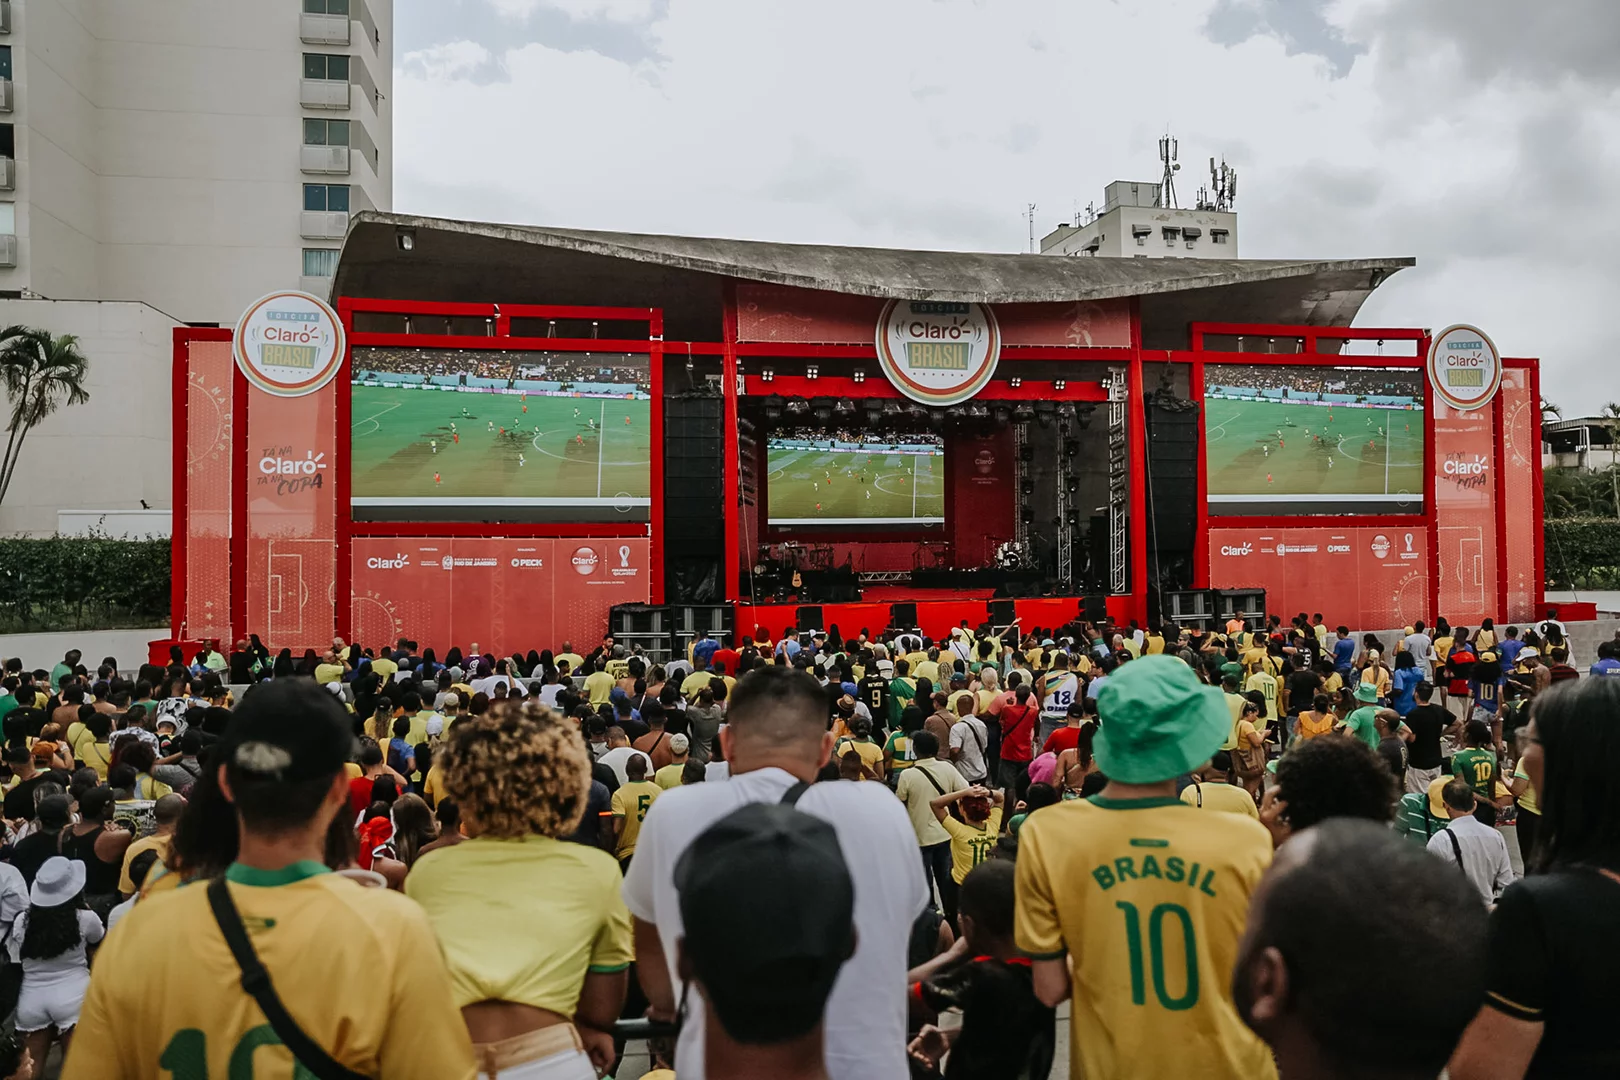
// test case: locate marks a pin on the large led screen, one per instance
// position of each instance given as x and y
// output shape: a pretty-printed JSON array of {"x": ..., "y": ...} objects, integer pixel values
[
  {"x": 460, "y": 435},
  {"x": 1284, "y": 439},
  {"x": 820, "y": 478}
]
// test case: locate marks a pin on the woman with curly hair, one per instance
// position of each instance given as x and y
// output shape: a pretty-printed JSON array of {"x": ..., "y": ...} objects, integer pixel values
[
  {"x": 49, "y": 941},
  {"x": 536, "y": 1005}
]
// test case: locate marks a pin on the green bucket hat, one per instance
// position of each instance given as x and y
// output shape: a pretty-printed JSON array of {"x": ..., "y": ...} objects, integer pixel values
[
  {"x": 1158, "y": 721},
  {"x": 1364, "y": 692}
]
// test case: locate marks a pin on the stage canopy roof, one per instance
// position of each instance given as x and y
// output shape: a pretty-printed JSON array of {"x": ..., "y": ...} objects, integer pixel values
[{"x": 484, "y": 262}]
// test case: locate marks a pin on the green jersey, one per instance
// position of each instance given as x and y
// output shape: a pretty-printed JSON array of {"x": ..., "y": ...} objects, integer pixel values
[
  {"x": 1478, "y": 767},
  {"x": 1360, "y": 724}
]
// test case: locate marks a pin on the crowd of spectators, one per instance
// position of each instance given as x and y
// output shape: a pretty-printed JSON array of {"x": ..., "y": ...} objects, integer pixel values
[{"x": 819, "y": 856}]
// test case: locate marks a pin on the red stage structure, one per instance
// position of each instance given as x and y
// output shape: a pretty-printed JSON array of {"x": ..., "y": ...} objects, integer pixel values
[{"x": 1073, "y": 476}]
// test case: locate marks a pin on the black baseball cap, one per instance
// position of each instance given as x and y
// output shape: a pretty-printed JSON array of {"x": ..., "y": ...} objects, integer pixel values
[
  {"x": 288, "y": 730},
  {"x": 768, "y": 907}
]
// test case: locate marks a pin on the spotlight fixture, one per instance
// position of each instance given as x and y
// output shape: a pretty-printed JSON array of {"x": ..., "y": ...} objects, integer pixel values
[
  {"x": 1026, "y": 486},
  {"x": 1023, "y": 412},
  {"x": 860, "y": 374},
  {"x": 773, "y": 409},
  {"x": 406, "y": 239},
  {"x": 874, "y": 416},
  {"x": 976, "y": 411},
  {"x": 689, "y": 362},
  {"x": 1060, "y": 386},
  {"x": 1015, "y": 382},
  {"x": 797, "y": 407},
  {"x": 891, "y": 410},
  {"x": 767, "y": 374},
  {"x": 812, "y": 372},
  {"x": 845, "y": 409}
]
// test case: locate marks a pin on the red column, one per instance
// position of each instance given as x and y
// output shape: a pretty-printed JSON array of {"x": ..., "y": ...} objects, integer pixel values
[
  {"x": 728, "y": 389},
  {"x": 1136, "y": 449},
  {"x": 180, "y": 434}
]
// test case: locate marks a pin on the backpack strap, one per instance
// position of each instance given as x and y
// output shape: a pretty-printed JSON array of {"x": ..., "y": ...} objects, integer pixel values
[
  {"x": 791, "y": 796},
  {"x": 256, "y": 982}
]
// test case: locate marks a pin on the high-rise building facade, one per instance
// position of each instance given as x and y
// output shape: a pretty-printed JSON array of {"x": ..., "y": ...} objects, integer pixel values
[{"x": 189, "y": 154}]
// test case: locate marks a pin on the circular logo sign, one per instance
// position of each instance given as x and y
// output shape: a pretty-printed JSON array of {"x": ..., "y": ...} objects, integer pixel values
[
  {"x": 289, "y": 344},
  {"x": 1464, "y": 367},
  {"x": 938, "y": 353},
  {"x": 585, "y": 560}
]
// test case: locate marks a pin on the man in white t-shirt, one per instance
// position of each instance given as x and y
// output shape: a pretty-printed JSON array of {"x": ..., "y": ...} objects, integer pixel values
[
  {"x": 619, "y": 753},
  {"x": 967, "y": 749},
  {"x": 777, "y": 737}
]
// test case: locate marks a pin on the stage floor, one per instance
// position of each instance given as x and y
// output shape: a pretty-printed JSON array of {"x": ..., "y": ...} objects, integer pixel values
[{"x": 935, "y": 614}]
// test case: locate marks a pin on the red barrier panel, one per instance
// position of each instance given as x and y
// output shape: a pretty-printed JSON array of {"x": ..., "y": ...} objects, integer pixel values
[{"x": 1363, "y": 576}]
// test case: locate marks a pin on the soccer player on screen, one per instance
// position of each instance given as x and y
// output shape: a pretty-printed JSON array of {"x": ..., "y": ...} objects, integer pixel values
[
  {"x": 436, "y": 479},
  {"x": 435, "y": 444},
  {"x": 521, "y": 462}
]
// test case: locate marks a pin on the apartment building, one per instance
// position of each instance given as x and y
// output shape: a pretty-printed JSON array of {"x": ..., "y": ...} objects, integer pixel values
[{"x": 189, "y": 154}]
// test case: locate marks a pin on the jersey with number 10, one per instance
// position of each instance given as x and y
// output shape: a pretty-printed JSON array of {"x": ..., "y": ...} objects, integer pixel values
[{"x": 1148, "y": 899}]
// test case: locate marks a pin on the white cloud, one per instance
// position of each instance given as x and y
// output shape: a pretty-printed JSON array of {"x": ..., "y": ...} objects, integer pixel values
[
  {"x": 611, "y": 10},
  {"x": 931, "y": 123},
  {"x": 452, "y": 60}
]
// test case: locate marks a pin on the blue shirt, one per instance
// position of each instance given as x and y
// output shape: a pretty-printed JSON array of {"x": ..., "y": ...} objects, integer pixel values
[
  {"x": 399, "y": 752},
  {"x": 1606, "y": 667},
  {"x": 788, "y": 647},
  {"x": 705, "y": 650},
  {"x": 1509, "y": 648},
  {"x": 1405, "y": 681},
  {"x": 1344, "y": 654},
  {"x": 1486, "y": 694}
]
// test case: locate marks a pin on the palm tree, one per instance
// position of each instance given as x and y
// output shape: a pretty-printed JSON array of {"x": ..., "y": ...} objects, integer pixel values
[
  {"x": 41, "y": 373},
  {"x": 1609, "y": 421},
  {"x": 1550, "y": 411}
]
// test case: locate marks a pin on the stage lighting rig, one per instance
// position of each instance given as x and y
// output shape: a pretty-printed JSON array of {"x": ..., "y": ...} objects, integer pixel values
[
  {"x": 1023, "y": 412},
  {"x": 767, "y": 374},
  {"x": 860, "y": 375},
  {"x": 812, "y": 371},
  {"x": 797, "y": 407}
]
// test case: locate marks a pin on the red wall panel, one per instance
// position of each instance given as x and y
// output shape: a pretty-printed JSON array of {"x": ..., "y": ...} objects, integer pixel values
[
  {"x": 1363, "y": 576},
  {"x": 1465, "y": 506},
  {"x": 984, "y": 496},
  {"x": 505, "y": 594},
  {"x": 1521, "y": 451},
  {"x": 206, "y": 519}
]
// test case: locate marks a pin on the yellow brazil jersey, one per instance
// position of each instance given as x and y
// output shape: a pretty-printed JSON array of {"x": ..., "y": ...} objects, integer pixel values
[
  {"x": 971, "y": 844},
  {"x": 1267, "y": 685},
  {"x": 165, "y": 999},
  {"x": 477, "y": 891},
  {"x": 632, "y": 802},
  {"x": 599, "y": 685},
  {"x": 1147, "y": 898},
  {"x": 1155, "y": 645}
]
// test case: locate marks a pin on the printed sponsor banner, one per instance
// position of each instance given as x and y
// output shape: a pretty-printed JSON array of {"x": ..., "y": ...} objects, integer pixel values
[
  {"x": 1363, "y": 576},
  {"x": 1465, "y": 507},
  {"x": 1522, "y": 451},
  {"x": 505, "y": 594},
  {"x": 207, "y": 513},
  {"x": 289, "y": 344},
  {"x": 938, "y": 353},
  {"x": 1464, "y": 367}
]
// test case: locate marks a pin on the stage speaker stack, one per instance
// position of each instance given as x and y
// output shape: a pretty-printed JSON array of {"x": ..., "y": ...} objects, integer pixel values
[
  {"x": 694, "y": 490},
  {"x": 809, "y": 617},
  {"x": 1094, "y": 608},
  {"x": 646, "y": 627},
  {"x": 716, "y": 620},
  {"x": 902, "y": 616},
  {"x": 1190, "y": 609},
  {"x": 1247, "y": 604},
  {"x": 1172, "y": 430},
  {"x": 1002, "y": 612}
]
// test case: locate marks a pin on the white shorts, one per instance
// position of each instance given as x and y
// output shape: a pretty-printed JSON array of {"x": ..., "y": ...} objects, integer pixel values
[
  {"x": 568, "y": 1065},
  {"x": 54, "y": 1003},
  {"x": 553, "y": 1053}
]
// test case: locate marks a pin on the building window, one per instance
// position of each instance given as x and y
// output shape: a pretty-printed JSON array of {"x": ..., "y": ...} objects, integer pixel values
[
  {"x": 325, "y": 132},
  {"x": 320, "y": 262},
  {"x": 326, "y": 197},
  {"x": 1217, "y": 236},
  {"x": 8, "y": 141},
  {"x": 330, "y": 66},
  {"x": 5, "y": 61},
  {"x": 326, "y": 7},
  {"x": 8, "y": 219}
]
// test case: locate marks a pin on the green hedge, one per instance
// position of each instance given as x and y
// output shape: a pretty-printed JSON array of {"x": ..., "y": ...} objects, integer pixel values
[
  {"x": 82, "y": 583},
  {"x": 1582, "y": 552}
]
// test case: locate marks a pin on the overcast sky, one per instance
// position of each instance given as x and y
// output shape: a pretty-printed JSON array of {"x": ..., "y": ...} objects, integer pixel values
[{"x": 1480, "y": 136}]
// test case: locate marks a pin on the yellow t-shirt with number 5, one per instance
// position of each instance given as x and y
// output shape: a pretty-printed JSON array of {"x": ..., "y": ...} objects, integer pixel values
[
  {"x": 631, "y": 802},
  {"x": 355, "y": 967},
  {"x": 1148, "y": 896}
]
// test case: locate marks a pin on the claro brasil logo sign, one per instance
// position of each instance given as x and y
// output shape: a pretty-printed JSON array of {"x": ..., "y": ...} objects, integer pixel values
[
  {"x": 289, "y": 344},
  {"x": 1464, "y": 367},
  {"x": 938, "y": 353}
]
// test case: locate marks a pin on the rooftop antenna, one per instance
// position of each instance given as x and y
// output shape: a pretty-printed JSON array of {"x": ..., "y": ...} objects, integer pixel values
[
  {"x": 1169, "y": 146},
  {"x": 1029, "y": 213},
  {"x": 1091, "y": 212},
  {"x": 1225, "y": 180}
]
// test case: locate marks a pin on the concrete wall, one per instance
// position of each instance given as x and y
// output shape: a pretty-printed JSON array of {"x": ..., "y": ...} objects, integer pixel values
[
  {"x": 113, "y": 452},
  {"x": 128, "y": 647}
]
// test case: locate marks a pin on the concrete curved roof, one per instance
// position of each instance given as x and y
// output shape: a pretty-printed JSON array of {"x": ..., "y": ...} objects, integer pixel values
[{"x": 889, "y": 272}]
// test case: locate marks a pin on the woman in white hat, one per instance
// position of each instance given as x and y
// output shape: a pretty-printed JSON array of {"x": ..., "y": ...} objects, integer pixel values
[{"x": 49, "y": 941}]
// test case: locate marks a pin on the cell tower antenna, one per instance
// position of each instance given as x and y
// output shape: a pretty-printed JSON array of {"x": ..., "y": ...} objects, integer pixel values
[
  {"x": 1029, "y": 213},
  {"x": 1169, "y": 147},
  {"x": 1225, "y": 180}
]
